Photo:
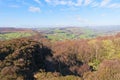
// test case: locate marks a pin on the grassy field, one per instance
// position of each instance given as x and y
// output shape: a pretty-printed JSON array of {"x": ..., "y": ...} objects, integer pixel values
[
  {"x": 56, "y": 34},
  {"x": 8, "y": 36},
  {"x": 62, "y": 33}
]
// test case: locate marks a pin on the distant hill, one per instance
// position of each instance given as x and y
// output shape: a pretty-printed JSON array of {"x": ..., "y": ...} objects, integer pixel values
[
  {"x": 106, "y": 29},
  {"x": 8, "y": 29},
  {"x": 67, "y": 33},
  {"x": 62, "y": 33},
  {"x": 11, "y": 33}
]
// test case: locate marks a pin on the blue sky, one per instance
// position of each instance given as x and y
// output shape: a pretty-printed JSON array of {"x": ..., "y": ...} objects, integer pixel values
[{"x": 42, "y": 13}]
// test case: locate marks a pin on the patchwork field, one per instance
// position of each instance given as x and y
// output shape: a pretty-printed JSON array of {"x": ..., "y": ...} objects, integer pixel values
[{"x": 12, "y": 33}]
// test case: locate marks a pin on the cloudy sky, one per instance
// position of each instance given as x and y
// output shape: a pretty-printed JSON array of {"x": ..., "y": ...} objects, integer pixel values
[{"x": 59, "y": 12}]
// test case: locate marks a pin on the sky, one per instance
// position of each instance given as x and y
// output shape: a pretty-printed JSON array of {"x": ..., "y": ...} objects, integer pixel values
[{"x": 42, "y": 13}]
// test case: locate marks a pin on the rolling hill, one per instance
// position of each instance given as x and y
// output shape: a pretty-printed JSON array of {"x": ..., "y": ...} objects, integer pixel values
[
  {"x": 62, "y": 33},
  {"x": 12, "y": 33}
]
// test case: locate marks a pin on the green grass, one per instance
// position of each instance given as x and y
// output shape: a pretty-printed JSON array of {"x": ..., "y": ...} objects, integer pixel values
[
  {"x": 87, "y": 34},
  {"x": 71, "y": 34},
  {"x": 60, "y": 36},
  {"x": 13, "y": 35}
]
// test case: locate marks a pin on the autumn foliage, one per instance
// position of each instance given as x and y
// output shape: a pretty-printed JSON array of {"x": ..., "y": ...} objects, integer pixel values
[{"x": 40, "y": 59}]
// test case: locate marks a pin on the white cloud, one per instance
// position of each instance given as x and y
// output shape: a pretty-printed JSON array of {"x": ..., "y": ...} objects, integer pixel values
[
  {"x": 78, "y": 3},
  {"x": 105, "y": 3},
  {"x": 60, "y": 2},
  {"x": 23, "y": 2},
  {"x": 69, "y": 2},
  {"x": 34, "y": 9},
  {"x": 48, "y": 1},
  {"x": 64, "y": 2},
  {"x": 87, "y": 2},
  {"x": 72, "y": 3},
  {"x": 114, "y": 5},
  {"x": 37, "y": 1},
  {"x": 95, "y": 4}
]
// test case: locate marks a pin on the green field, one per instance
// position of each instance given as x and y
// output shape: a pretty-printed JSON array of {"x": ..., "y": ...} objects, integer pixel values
[
  {"x": 56, "y": 34},
  {"x": 62, "y": 33},
  {"x": 13, "y": 35}
]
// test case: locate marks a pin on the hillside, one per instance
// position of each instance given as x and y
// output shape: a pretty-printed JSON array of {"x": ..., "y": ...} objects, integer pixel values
[
  {"x": 8, "y": 29},
  {"x": 106, "y": 30},
  {"x": 66, "y": 33},
  {"x": 20, "y": 58},
  {"x": 62, "y": 33},
  {"x": 39, "y": 59},
  {"x": 12, "y": 33}
]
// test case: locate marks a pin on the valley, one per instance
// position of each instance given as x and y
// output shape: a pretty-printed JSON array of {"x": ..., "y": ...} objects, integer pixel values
[{"x": 94, "y": 56}]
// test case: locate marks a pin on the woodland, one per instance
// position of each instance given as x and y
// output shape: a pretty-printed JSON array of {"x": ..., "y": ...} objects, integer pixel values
[{"x": 37, "y": 58}]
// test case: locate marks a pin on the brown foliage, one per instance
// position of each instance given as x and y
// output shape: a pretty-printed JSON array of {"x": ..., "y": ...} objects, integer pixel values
[{"x": 22, "y": 57}]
